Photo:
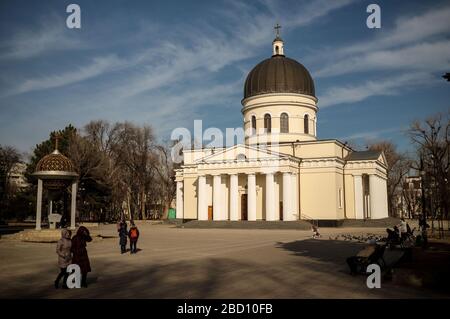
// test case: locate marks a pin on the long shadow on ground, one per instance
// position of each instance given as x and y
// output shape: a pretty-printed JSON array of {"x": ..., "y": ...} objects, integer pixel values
[{"x": 330, "y": 251}]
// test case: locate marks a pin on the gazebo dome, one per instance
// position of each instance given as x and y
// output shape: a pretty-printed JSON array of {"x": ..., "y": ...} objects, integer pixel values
[
  {"x": 55, "y": 170},
  {"x": 55, "y": 162}
]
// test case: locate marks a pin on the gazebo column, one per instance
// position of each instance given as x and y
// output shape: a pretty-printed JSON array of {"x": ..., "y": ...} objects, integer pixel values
[
  {"x": 39, "y": 205},
  {"x": 251, "y": 197},
  {"x": 73, "y": 206}
]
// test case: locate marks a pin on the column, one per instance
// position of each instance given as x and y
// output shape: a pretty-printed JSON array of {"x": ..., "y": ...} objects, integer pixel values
[
  {"x": 217, "y": 198},
  {"x": 270, "y": 198},
  {"x": 201, "y": 193},
  {"x": 378, "y": 197},
  {"x": 73, "y": 206},
  {"x": 39, "y": 205},
  {"x": 251, "y": 197},
  {"x": 295, "y": 198},
  {"x": 287, "y": 197},
  {"x": 179, "y": 199},
  {"x": 234, "y": 197},
  {"x": 359, "y": 204},
  {"x": 52, "y": 225}
]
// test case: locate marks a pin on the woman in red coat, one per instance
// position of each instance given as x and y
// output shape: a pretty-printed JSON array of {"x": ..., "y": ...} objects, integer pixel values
[{"x": 79, "y": 253}]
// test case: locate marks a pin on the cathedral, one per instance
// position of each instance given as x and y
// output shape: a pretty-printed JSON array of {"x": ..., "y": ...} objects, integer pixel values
[{"x": 282, "y": 172}]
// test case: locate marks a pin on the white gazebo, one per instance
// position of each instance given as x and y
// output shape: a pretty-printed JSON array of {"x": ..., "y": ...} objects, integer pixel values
[{"x": 55, "y": 172}]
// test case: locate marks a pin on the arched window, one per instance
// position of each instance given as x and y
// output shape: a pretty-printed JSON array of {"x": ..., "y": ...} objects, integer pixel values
[
  {"x": 253, "y": 124},
  {"x": 277, "y": 50},
  {"x": 267, "y": 123},
  {"x": 284, "y": 123},
  {"x": 306, "y": 124}
]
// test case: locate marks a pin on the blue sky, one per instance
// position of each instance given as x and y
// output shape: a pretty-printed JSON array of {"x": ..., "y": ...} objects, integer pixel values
[{"x": 167, "y": 63}]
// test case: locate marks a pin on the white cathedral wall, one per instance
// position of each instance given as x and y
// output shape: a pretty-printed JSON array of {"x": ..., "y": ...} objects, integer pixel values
[
  {"x": 295, "y": 105},
  {"x": 314, "y": 149},
  {"x": 349, "y": 197},
  {"x": 378, "y": 197},
  {"x": 319, "y": 194}
]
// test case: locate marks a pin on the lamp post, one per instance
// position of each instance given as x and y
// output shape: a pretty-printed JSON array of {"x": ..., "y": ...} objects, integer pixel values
[{"x": 422, "y": 179}]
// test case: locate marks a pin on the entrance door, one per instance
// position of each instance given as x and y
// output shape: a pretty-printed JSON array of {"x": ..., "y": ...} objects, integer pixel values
[
  {"x": 281, "y": 210},
  {"x": 244, "y": 207},
  {"x": 210, "y": 213}
]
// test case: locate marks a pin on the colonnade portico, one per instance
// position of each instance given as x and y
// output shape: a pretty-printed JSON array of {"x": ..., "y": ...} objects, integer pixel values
[{"x": 225, "y": 205}]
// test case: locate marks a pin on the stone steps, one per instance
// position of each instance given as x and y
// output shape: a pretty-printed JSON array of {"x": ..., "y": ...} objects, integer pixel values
[{"x": 300, "y": 225}]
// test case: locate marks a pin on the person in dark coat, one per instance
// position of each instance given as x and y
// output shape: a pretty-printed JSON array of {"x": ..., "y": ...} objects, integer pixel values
[
  {"x": 80, "y": 254},
  {"x": 123, "y": 236},
  {"x": 63, "y": 250},
  {"x": 134, "y": 235}
]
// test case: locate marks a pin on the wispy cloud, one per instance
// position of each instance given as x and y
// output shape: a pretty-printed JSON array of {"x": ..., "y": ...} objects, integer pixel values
[
  {"x": 98, "y": 66},
  {"x": 379, "y": 87},
  {"x": 49, "y": 35},
  {"x": 371, "y": 135},
  {"x": 407, "y": 29},
  {"x": 430, "y": 56},
  {"x": 411, "y": 51}
]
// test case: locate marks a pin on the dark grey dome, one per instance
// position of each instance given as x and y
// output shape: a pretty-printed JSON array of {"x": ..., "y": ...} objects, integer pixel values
[{"x": 279, "y": 74}]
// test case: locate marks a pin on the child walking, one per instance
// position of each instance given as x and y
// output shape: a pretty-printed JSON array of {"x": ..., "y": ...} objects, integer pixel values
[{"x": 134, "y": 235}]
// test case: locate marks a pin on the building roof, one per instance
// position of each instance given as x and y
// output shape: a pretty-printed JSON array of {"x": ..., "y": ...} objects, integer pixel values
[
  {"x": 363, "y": 156},
  {"x": 279, "y": 74}
]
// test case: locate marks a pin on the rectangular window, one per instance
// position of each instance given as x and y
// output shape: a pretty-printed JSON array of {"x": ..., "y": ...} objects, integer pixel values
[{"x": 340, "y": 197}]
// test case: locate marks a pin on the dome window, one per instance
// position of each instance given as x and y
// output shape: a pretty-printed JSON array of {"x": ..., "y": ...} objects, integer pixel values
[
  {"x": 253, "y": 125},
  {"x": 267, "y": 123},
  {"x": 284, "y": 123},
  {"x": 306, "y": 124}
]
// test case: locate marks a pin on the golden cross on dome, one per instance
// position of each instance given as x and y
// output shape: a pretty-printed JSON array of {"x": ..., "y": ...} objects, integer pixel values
[{"x": 277, "y": 30}]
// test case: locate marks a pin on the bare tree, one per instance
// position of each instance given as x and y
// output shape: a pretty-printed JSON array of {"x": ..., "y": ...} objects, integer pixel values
[
  {"x": 9, "y": 156},
  {"x": 166, "y": 175},
  {"x": 432, "y": 139}
]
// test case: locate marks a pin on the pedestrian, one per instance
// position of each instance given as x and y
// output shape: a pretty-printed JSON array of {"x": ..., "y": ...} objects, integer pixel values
[
  {"x": 63, "y": 250},
  {"x": 315, "y": 231},
  {"x": 403, "y": 229},
  {"x": 123, "y": 235},
  {"x": 80, "y": 254},
  {"x": 134, "y": 235},
  {"x": 423, "y": 225}
]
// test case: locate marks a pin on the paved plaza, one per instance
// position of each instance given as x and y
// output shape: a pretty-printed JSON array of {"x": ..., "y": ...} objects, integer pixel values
[{"x": 201, "y": 263}]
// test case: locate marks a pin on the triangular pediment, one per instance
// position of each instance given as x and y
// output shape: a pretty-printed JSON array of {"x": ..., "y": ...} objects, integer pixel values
[
  {"x": 241, "y": 152},
  {"x": 382, "y": 159}
]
